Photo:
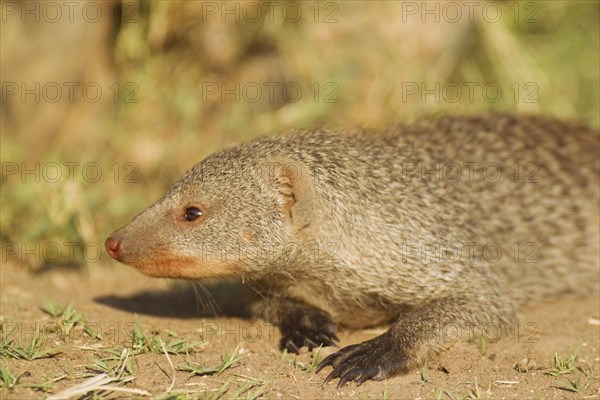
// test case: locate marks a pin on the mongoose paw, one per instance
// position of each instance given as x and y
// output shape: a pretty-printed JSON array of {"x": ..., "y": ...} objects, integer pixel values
[
  {"x": 312, "y": 329},
  {"x": 374, "y": 359}
]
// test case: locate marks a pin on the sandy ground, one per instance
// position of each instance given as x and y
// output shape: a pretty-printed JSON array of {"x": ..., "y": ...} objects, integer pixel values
[{"x": 113, "y": 298}]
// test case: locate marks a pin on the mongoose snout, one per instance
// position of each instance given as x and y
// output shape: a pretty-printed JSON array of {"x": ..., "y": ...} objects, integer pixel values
[{"x": 112, "y": 247}]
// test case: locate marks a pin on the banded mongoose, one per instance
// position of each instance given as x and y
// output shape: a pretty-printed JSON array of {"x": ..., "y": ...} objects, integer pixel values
[{"x": 445, "y": 223}]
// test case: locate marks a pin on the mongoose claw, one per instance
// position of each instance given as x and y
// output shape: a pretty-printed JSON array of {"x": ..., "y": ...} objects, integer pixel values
[
  {"x": 312, "y": 330},
  {"x": 374, "y": 359}
]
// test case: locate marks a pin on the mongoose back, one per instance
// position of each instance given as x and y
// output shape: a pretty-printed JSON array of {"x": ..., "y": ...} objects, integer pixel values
[{"x": 445, "y": 223}]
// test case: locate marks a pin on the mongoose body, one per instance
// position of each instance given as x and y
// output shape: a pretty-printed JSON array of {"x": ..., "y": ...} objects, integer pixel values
[{"x": 444, "y": 223}]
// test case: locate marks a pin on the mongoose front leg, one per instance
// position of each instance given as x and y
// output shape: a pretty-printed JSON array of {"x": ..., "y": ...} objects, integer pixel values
[
  {"x": 300, "y": 324},
  {"x": 414, "y": 337}
]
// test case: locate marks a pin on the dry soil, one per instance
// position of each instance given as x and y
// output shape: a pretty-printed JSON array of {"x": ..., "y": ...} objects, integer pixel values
[{"x": 113, "y": 299}]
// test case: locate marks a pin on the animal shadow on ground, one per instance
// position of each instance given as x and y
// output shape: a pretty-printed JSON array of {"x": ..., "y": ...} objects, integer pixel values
[{"x": 187, "y": 300}]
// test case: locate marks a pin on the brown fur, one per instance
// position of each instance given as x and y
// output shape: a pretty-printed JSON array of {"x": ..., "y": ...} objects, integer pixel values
[{"x": 339, "y": 225}]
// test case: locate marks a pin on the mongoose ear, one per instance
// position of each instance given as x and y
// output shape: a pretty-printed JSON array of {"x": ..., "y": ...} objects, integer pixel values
[{"x": 297, "y": 193}]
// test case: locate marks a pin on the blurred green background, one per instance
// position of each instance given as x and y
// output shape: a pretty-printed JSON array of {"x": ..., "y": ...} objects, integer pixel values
[{"x": 179, "y": 80}]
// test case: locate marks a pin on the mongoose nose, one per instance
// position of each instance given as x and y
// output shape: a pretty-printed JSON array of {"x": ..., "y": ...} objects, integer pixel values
[{"x": 112, "y": 247}]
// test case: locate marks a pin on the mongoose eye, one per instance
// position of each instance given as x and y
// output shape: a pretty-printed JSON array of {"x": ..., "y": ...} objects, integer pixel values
[{"x": 192, "y": 213}]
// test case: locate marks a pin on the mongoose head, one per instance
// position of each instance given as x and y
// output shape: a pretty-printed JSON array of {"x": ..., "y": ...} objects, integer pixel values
[{"x": 230, "y": 215}]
